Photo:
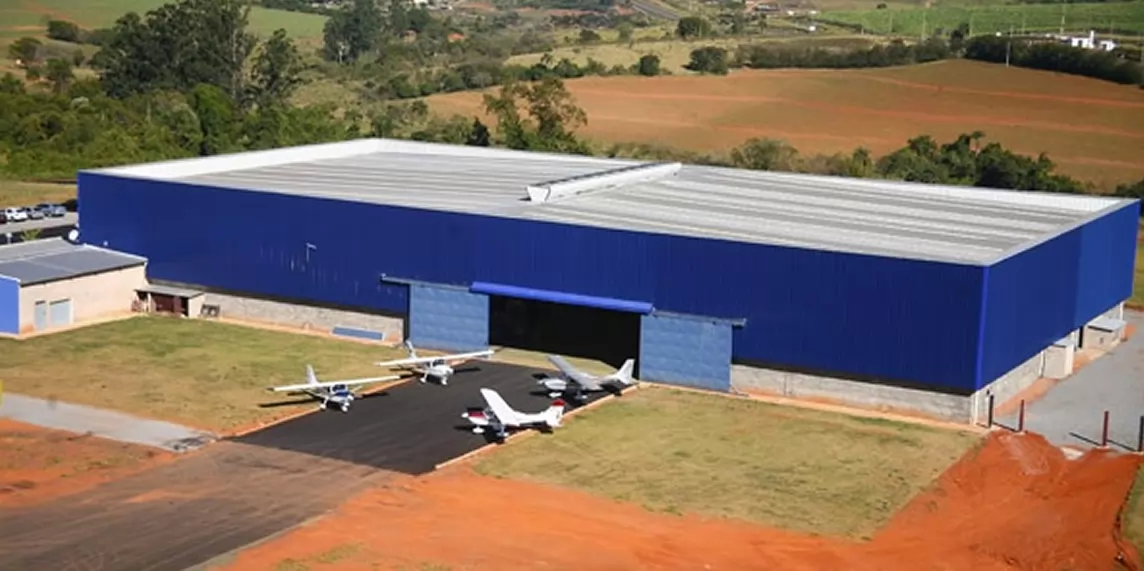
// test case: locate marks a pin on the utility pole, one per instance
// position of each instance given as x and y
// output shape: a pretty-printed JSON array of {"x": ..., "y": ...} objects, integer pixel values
[{"x": 1009, "y": 46}]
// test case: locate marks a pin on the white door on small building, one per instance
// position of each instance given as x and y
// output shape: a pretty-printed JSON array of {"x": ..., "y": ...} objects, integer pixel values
[
  {"x": 60, "y": 313},
  {"x": 41, "y": 315}
]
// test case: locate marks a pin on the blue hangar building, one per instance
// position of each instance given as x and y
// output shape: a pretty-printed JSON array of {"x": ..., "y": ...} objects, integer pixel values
[{"x": 866, "y": 291}]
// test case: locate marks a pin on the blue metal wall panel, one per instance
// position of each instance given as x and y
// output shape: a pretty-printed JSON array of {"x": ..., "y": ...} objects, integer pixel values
[
  {"x": 449, "y": 319},
  {"x": 685, "y": 351},
  {"x": 1107, "y": 262},
  {"x": 831, "y": 312},
  {"x": 9, "y": 305},
  {"x": 1038, "y": 296}
]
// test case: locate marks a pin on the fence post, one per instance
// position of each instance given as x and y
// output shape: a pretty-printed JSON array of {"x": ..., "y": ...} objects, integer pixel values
[
  {"x": 1104, "y": 432},
  {"x": 1140, "y": 436},
  {"x": 1021, "y": 417},
  {"x": 990, "y": 425}
]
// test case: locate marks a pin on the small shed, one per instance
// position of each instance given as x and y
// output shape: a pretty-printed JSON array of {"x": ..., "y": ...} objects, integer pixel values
[
  {"x": 157, "y": 298},
  {"x": 53, "y": 283}
]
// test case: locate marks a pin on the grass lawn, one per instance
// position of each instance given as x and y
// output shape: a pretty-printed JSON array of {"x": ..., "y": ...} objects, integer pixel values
[
  {"x": 679, "y": 451},
  {"x": 201, "y": 373},
  {"x": 15, "y": 193},
  {"x": 1134, "y": 513}
]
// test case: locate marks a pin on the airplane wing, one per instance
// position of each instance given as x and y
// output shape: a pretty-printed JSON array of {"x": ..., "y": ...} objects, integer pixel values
[
  {"x": 407, "y": 361},
  {"x": 327, "y": 384},
  {"x": 423, "y": 360},
  {"x": 503, "y": 412},
  {"x": 583, "y": 379}
]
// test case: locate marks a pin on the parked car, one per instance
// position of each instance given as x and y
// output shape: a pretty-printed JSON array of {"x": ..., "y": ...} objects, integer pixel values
[
  {"x": 33, "y": 213},
  {"x": 3, "y": 217},
  {"x": 51, "y": 210},
  {"x": 15, "y": 214}
]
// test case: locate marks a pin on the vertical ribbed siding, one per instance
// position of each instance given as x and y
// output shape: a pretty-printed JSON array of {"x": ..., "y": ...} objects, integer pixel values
[{"x": 868, "y": 316}]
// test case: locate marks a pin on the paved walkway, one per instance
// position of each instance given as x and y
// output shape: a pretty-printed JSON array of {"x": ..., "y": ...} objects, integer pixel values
[
  {"x": 1072, "y": 413},
  {"x": 103, "y": 423}
]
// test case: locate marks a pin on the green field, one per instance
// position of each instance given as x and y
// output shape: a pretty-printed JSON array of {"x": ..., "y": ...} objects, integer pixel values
[
  {"x": 201, "y": 373},
  {"x": 682, "y": 452},
  {"x": 27, "y": 17},
  {"x": 990, "y": 19}
]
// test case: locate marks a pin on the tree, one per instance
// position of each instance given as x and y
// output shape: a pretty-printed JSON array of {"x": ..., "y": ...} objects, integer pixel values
[
  {"x": 552, "y": 116},
  {"x": 478, "y": 134},
  {"x": 648, "y": 65},
  {"x": 178, "y": 46},
  {"x": 64, "y": 31},
  {"x": 588, "y": 36},
  {"x": 59, "y": 73},
  {"x": 625, "y": 31},
  {"x": 692, "y": 27},
  {"x": 709, "y": 59},
  {"x": 26, "y": 50},
  {"x": 765, "y": 154},
  {"x": 1134, "y": 190},
  {"x": 353, "y": 32},
  {"x": 276, "y": 73}
]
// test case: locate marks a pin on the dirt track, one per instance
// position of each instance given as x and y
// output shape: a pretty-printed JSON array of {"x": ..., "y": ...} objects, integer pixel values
[{"x": 1017, "y": 504}]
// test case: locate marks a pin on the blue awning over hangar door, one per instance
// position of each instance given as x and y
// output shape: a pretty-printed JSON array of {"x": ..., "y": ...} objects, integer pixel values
[
  {"x": 686, "y": 350},
  {"x": 448, "y": 318}
]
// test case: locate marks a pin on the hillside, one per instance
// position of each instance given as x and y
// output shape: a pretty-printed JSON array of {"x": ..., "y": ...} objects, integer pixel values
[{"x": 1093, "y": 129}]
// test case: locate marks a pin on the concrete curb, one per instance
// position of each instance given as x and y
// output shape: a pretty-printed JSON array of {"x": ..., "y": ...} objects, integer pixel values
[
  {"x": 514, "y": 437},
  {"x": 825, "y": 407},
  {"x": 251, "y": 430}
]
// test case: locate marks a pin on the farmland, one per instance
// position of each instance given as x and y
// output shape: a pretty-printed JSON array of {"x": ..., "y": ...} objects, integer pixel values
[
  {"x": 1092, "y": 129},
  {"x": 1125, "y": 17}
]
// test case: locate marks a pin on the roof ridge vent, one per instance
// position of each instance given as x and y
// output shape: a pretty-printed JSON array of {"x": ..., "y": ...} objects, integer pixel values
[{"x": 572, "y": 186}]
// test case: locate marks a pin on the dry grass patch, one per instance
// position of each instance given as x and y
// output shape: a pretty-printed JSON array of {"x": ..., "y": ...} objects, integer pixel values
[
  {"x": 679, "y": 451},
  {"x": 15, "y": 193},
  {"x": 201, "y": 373}
]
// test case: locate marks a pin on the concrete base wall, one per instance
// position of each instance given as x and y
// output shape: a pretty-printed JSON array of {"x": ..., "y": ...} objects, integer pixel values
[
  {"x": 854, "y": 393},
  {"x": 1007, "y": 387},
  {"x": 302, "y": 316},
  {"x": 1059, "y": 361}
]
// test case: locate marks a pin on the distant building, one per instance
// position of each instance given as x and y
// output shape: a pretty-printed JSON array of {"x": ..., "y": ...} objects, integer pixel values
[{"x": 1088, "y": 42}]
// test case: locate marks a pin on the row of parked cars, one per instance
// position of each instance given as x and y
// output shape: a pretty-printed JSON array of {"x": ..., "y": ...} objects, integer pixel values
[{"x": 37, "y": 212}]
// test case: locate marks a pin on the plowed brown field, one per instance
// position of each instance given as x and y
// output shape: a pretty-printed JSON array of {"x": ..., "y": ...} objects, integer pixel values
[
  {"x": 1017, "y": 503},
  {"x": 1093, "y": 129}
]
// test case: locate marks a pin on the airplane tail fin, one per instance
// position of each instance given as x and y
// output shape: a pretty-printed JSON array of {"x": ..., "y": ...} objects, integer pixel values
[
  {"x": 555, "y": 413},
  {"x": 624, "y": 374},
  {"x": 310, "y": 376}
]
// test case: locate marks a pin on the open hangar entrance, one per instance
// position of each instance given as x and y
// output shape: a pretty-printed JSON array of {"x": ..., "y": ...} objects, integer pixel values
[{"x": 670, "y": 348}]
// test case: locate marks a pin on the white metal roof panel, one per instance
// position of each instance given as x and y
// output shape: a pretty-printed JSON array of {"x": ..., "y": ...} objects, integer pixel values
[{"x": 931, "y": 222}]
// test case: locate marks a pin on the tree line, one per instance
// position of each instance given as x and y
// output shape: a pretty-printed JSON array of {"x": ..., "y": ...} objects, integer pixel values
[{"x": 1119, "y": 66}]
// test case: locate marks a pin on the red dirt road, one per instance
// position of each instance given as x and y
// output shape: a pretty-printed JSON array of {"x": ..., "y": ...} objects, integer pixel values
[
  {"x": 1016, "y": 504},
  {"x": 37, "y": 464}
]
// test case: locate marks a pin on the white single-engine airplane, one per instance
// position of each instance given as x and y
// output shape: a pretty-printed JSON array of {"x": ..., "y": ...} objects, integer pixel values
[
  {"x": 337, "y": 392},
  {"x": 575, "y": 382},
  {"x": 439, "y": 368},
  {"x": 498, "y": 416}
]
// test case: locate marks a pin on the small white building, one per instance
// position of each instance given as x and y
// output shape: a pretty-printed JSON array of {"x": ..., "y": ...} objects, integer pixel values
[
  {"x": 51, "y": 284},
  {"x": 1089, "y": 42}
]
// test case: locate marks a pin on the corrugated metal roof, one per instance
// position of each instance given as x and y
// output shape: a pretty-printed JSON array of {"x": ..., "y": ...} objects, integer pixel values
[
  {"x": 41, "y": 261},
  {"x": 947, "y": 223}
]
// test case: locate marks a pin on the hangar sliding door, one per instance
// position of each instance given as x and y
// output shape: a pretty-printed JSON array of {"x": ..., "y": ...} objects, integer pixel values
[
  {"x": 686, "y": 350},
  {"x": 60, "y": 313},
  {"x": 452, "y": 319}
]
